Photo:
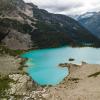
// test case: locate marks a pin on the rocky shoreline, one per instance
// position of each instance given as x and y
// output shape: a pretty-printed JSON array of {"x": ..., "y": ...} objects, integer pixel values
[
  {"x": 82, "y": 83},
  {"x": 21, "y": 86},
  {"x": 25, "y": 89}
]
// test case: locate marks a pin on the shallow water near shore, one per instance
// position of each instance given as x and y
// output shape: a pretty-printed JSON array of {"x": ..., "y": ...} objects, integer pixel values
[{"x": 44, "y": 64}]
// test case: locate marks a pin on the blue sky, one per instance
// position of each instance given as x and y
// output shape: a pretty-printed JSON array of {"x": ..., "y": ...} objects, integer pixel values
[{"x": 68, "y": 7}]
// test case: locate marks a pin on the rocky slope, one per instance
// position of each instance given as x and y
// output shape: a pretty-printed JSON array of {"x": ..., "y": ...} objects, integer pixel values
[
  {"x": 91, "y": 21},
  {"x": 15, "y": 84},
  {"x": 25, "y": 26}
]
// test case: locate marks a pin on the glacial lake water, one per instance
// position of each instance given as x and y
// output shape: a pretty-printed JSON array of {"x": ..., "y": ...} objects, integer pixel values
[{"x": 43, "y": 64}]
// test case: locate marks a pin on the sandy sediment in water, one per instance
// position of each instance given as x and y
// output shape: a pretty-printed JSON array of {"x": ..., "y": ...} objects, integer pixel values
[{"x": 78, "y": 85}]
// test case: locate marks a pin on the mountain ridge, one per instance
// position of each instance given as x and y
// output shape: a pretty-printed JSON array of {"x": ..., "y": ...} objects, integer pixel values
[
  {"x": 27, "y": 26},
  {"x": 92, "y": 23}
]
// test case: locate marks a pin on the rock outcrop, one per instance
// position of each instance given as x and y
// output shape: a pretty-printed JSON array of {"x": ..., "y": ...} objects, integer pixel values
[
  {"x": 17, "y": 40},
  {"x": 23, "y": 88}
]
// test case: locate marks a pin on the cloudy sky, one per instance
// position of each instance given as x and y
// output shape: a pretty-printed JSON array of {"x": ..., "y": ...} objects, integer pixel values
[{"x": 68, "y": 7}]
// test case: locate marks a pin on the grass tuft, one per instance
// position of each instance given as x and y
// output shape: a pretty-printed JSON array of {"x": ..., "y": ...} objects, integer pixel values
[
  {"x": 4, "y": 85},
  {"x": 95, "y": 74}
]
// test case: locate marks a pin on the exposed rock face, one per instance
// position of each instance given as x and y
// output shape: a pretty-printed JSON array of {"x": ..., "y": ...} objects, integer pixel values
[
  {"x": 10, "y": 7},
  {"x": 23, "y": 83},
  {"x": 28, "y": 26},
  {"x": 25, "y": 88},
  {"x": 17, "y": 40},
  {"x": 15, "y": 24},
  {"x": 92, "y": 22}
]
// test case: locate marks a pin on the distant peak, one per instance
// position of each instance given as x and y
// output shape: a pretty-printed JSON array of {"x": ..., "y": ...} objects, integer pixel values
[
  {"x": 87, "y": 15},
  {"x": 31, "y": 4}
]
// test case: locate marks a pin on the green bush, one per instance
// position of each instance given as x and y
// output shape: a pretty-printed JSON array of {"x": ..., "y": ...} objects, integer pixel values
[
  {"x": 4, "y": 85},
  {"x": 5, "y": 50}
]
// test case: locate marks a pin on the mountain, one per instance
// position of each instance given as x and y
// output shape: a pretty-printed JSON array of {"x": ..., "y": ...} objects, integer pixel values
[
  {"x": 86, "y": 15},
  {"x": 91, "y": 21},
  {"x": 24, "y": 26}
]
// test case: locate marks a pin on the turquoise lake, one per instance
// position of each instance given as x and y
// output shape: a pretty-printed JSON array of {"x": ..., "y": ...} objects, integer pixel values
[{"x": 43, "y": 64}]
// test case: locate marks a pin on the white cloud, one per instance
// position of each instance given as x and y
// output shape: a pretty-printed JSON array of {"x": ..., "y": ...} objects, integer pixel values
[{"x": 68, "y": 7}]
